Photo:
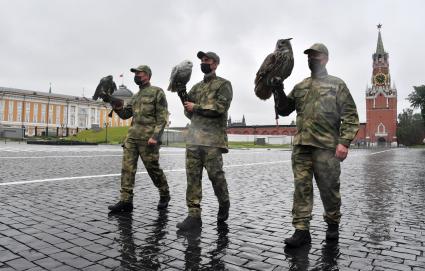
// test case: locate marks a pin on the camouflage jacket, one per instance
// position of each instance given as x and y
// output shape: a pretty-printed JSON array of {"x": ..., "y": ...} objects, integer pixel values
[
  {"x": 149, "y": 111},
  {"x": 326, "y": 112},
  {"x": 212, "y": 98}
]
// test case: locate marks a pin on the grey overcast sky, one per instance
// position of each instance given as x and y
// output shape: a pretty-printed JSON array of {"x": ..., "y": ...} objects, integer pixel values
[{"x": 72, "y": 44}]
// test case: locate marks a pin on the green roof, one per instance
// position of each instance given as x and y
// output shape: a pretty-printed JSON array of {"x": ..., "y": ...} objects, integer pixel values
[{"x": 380, "y": 46}]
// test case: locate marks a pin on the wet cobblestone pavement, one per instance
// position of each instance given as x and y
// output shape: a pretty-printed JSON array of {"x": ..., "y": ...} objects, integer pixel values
[{"x": 53, "y": 213}]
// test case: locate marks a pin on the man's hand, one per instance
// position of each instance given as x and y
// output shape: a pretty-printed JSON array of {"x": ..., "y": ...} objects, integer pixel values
[
  {"x": 341, "y": 152},
  {"x": 189, "y": 106},
  {"x": 152, "y": 141},
  {"x": 276, "y": 82},
  {"x": 117, "y": 108},
  {"x": 117, "y": 104}
]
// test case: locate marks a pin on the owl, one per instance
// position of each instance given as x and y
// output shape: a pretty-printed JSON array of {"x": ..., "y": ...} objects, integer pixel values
[
  {"x": 277, "y": 65},
  {"x": 180, "y": 75},
  {"x": 105, "y": 88}
]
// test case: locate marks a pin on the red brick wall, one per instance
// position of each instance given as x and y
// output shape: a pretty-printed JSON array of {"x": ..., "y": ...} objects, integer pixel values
[
  {"x": 283, "y": 130},
  {"x": 361, "y": 134},
  {"x": 263, "y": 130}
]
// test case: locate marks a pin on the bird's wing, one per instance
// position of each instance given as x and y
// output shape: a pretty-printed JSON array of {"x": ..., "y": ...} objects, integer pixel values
[
  {"x": 97, "y": 91},
  {"x": 173, "y": 73},
  {"x": 266, "y": 67},
  {"x": 288, "y": 66},
  {"x": 114, "y": 87},
  {"x": 172, "y": 77}
]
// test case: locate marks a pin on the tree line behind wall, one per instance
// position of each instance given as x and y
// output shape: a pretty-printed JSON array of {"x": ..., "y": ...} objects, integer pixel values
[{"x": 411, "y": 126}]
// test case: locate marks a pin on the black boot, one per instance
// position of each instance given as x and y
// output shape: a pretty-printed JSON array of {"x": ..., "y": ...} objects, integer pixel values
[
  {"x": 121, "y": 206},
  {"x": 190, "y": 223},
  {"x": 163, "y": 202},
  {"x": 332, "y": 233},
  {"x": 299, "y": 238},
  {"x": 223, "y": 212}
]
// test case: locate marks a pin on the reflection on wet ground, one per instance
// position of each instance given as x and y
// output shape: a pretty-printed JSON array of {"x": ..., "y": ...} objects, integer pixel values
[
  {"x": 64, "y": 225},
  {"x": 147, "y": 254},
  {"x": 298, "y": 257},
  {"x": 379, "y": 198}
]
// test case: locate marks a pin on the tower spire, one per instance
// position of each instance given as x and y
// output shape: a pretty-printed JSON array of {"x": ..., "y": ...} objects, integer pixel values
[{"x": 380, "y": 45}]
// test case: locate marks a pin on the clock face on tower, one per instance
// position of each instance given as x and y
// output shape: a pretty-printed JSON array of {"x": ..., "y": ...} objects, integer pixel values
[{"x": 380, "y": 79}]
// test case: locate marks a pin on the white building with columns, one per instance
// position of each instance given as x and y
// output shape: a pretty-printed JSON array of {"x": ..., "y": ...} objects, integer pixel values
[{"x": 42, "y": 113}]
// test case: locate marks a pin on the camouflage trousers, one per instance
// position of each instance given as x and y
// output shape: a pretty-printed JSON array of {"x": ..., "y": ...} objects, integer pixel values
[
  {"x": 134, "y": 148},
  {"x": 309, "y": 161},
  {"x": 198, "y": 158}
]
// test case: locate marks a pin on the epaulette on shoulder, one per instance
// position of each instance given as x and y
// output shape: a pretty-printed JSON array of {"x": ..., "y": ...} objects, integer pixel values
[
  {"x": 156, "y": 88},
  {"x": 222, "y": 79},
  {"x": 304, "y": 82},
  {"x": 335, "y": 79}
]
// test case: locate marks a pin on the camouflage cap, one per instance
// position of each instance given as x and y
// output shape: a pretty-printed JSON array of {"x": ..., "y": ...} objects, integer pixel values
[
  {"x": 210, "y": 55},
  {"x": 318, "y": 47},
  {"x": 142, "y": 68}
]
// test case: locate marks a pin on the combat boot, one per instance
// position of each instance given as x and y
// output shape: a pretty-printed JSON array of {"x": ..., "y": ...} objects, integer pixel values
[
  {"x": 332, "y": 233},
  {"x": 223, "y": 212},
  {"x": 190, "y": 224},
  {"x": 121, "y": 207},
  {"x": 163, "y": 202},
  {"x": 299, "y": 238}
]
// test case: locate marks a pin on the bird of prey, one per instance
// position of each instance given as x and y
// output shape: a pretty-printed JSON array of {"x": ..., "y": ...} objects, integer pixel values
[
  {"x": 275, "y": 69},
  {"x": 105, "y": 88},
  {"x": 180, "y": 75}
]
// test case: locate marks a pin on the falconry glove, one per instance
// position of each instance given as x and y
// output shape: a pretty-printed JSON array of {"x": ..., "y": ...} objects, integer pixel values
[{"x": 181, "y": 91}]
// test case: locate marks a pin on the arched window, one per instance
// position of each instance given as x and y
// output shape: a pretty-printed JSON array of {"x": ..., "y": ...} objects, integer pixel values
[{"x": 381, "y": 128}]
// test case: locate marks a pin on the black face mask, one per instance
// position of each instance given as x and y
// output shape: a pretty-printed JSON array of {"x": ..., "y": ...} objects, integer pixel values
[
  {"x": 206, "y": 68},
  {"x": 138, "y": 80},
  {"x": 314, "y": 65}
]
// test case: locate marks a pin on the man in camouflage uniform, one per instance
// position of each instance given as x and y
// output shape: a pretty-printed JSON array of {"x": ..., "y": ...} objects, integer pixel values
[
  {"x": 209, "y": 101},
  {"x": 327, "y": 122},
  {"x": 150, "y": 115}
]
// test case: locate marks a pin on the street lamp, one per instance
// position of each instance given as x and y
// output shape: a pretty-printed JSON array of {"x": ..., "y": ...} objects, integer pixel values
[
  {"x": 67, "y": 116},
  {"x": 168, "y": 129},
  {"x": 48, "y": 115},
  {"x": 106, "y": 134}
]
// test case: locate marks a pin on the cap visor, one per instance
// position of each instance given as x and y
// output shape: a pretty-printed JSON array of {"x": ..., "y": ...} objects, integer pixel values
[
  {"x": 201, "y": 54},
  {"x": 134, "y": 70},
  {"x": 312, "y": 50}
]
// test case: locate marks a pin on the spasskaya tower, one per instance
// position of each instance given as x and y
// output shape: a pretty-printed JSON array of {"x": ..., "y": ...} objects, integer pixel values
[{"x": 381, "y": 100}]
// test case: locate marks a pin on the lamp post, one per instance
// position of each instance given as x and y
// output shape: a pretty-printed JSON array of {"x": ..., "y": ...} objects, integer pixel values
[
  {"x": 48, "y": 109},
  {"x": 48, "y": 119},
  {"x": 67, "y": 117},
  {"x": 106, "y": 133},
  {"x": 168, "y": 131}
]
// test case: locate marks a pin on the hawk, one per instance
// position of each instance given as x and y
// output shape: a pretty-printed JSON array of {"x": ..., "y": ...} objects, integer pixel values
[
  {"x": 105, "y": 88},
  {"x": 275, "y": 69},
  {"x": 180, "y": 75}
]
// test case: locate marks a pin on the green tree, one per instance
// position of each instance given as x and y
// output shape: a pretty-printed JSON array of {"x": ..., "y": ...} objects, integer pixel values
[
  {"x": 410, "y": 130},
  {"x": 417, "y": 99}
]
